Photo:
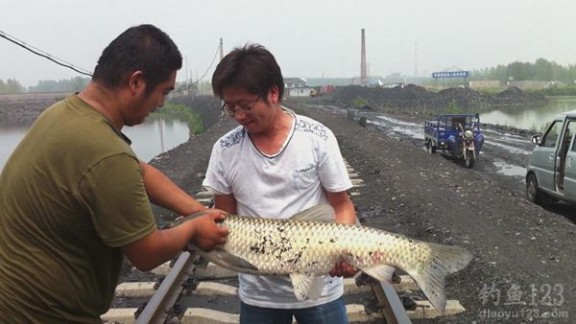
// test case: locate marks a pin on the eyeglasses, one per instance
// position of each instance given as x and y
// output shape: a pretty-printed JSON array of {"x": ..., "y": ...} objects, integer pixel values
[{"x": 233, "y": 108}]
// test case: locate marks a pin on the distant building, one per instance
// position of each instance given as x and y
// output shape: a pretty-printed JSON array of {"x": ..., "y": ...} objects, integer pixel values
[
  {"x": 484, "y": 84},
  {"x": 291, "y": 83},
  {"x": 524, "y": 85},
  {"x": 299, "y": 92},
  {"x": 534, "y": 85},
  {"x": 296, "y": 87},
  {"x": 371, "y": 81}
]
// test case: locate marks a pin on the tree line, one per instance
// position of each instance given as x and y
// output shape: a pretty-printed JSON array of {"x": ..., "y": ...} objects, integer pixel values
[
  {"x": 12, "y": 86},
  {"x": 540, "y": 70}
]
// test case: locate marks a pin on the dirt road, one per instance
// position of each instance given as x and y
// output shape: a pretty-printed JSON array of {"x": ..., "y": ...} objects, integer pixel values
[
  {"x": 524, "y": 253},
  {"x": 524, "y": 260}
]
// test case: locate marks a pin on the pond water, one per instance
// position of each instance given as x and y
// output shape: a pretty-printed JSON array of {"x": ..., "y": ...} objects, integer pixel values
[
  {"x": 149, "y": 139},
  {"x": 535, "y": 118}
]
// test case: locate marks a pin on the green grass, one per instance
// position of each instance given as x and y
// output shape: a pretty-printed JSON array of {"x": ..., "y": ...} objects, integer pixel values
[{"x": 183, "y": 113}]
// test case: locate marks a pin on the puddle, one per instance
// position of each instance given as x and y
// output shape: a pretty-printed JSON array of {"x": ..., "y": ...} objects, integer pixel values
[
  {"x": 513, "y": 144},
  {"x": 398, "y": 127},
  {"x": 409, "y": 132},
  {"x": 511, "y": 149},
  {"x": 510, "y": 170},
  {"x": 507, "y": 137},
  {"x": 398, "y": 122}
]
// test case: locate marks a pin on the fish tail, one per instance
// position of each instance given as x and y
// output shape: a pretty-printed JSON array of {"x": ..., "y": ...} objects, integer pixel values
[{"x": 444, "y": 260}]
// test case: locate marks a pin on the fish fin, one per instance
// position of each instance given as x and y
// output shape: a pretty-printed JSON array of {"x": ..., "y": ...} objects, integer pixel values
[
  {"x": 382, "y": 272},
  {"x": 315, "y": 291},
  {"x": 318, "y": 213},
  {"x": 225, "y": 259},
  {"x": 183, "y": 219},
  {"x": 444, "y": 260},
  {"x": 307, "y": 286},
  {"x": 199, "y": 213}
]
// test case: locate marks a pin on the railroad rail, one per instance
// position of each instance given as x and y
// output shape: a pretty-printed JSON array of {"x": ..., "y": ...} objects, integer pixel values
[{"x": 211, "y": 293}]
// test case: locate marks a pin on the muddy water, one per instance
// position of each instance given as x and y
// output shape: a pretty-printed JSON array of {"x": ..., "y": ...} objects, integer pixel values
[
  {"x": 496, "y": 142},
  {"x": 149, "y": 139},
  {"x": 534, "y": 119}
]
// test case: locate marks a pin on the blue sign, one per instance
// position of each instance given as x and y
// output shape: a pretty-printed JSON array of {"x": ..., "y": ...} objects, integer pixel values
[{"x": 455, "y": 74}]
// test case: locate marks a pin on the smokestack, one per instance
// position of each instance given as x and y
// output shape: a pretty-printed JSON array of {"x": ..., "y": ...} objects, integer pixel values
[{"x": 363, "y": 74}]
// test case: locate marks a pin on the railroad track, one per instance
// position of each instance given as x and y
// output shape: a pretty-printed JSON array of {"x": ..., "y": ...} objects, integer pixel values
[{"x": 195, "y": 292}]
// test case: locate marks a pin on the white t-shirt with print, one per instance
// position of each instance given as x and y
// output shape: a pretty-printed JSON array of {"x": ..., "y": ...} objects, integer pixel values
[{"x": 279, "y": 186}]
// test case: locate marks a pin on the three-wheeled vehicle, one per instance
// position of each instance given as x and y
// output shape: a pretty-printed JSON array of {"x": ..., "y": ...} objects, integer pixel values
[{"x": 457, "y": 134}]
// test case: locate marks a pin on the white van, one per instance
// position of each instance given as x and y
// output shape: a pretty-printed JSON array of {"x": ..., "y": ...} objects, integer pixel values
[{"x": 551, "y": 170}]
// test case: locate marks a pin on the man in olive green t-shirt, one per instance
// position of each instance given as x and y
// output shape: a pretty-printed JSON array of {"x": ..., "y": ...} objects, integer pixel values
[{"x": 74, "y": 198}]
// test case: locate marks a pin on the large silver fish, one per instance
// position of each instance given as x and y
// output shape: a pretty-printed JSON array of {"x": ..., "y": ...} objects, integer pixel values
[{"x": 309, "y": 244}]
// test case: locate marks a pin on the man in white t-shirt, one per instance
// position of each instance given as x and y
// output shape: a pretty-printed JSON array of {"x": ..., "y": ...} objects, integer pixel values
[{"x": 275, "y": 164}]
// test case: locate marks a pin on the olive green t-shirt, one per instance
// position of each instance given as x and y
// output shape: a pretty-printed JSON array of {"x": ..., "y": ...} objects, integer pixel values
[{"x": 71, "y": 195}]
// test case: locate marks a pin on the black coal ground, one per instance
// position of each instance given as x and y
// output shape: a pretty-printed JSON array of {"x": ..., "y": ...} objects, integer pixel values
[{"x": 522, "y": 270}]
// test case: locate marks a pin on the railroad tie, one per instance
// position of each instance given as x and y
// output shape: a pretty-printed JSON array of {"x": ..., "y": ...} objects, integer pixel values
[{"x": 206, "y": 289}]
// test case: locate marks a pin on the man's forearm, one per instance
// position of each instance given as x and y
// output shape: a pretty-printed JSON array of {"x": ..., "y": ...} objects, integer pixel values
[{"x": 164, "y": 192}]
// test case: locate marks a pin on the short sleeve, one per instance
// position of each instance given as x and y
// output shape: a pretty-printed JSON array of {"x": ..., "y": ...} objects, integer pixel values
[
  {"x": 332, "y": 169},
  {"x": 113, "y": 191},
  {"x": 215, "y": 180}
]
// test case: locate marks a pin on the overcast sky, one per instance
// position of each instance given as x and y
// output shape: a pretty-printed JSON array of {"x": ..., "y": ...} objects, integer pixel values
[{"x": 310, "y": 38}]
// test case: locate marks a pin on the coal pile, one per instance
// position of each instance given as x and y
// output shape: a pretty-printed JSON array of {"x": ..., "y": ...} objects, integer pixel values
[
  {"x": 514, "y": 96},
  {"x": 418, "y": 99},
  {"x": 410, "y": 96},
  {"x": 465, "y": 98}
]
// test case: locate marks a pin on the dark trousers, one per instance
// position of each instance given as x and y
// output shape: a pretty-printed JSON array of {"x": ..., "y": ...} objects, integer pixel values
[{"x": 330, "y": 313}]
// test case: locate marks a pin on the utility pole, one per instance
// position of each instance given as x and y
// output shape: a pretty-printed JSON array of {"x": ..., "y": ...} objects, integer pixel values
[
  {"x": 415, "y": 60},
  {"x": 186, "y": 71},
  {"x": 221, "y": 49}
]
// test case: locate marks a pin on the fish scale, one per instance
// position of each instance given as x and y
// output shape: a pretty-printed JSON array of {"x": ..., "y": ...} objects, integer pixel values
[
  {"x": 273, "y": 247},
  {"x": 282, "y": 247},
  {"x": 309, "y": 244}
]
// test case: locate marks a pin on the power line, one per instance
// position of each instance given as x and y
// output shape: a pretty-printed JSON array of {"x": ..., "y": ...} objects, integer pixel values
[
  {"x": 211, "y": 64},
  {"x": 44, "y": 54},
  {"x": 73, "y": 67}
]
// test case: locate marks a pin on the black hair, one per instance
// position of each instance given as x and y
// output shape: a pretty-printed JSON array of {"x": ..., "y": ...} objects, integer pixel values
[
  {"x": 140, "y": 48},
  {"x": 251, "y": 67}
]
